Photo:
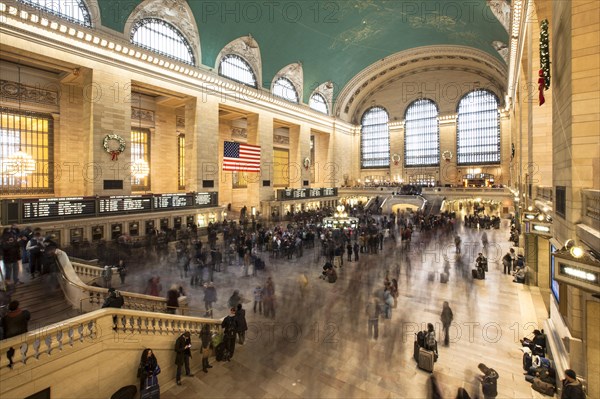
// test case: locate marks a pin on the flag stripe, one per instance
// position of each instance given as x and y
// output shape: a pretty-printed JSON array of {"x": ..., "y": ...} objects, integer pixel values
[{"x": 238, "y": 157}]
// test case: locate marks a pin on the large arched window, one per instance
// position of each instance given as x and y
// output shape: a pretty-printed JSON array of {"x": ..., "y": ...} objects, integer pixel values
[
  {"x": 163, "y": 38},
  {"x": 478, "y": 129},
  {"x": 71, "y": 10},
  {"x": 284, "y": 88},
  {"x": 236, "y": 68},
  {"x": 375, "y": 138},
  {"x": 318, "y": 103},
  {"x": 422, "y": 134}
]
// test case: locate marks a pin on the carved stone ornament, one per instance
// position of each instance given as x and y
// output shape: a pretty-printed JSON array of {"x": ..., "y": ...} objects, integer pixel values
[
  {"x": 279, "y": 139},
  {"x": 501, "y": 10},
  {"x": 140, "y": 114},
  {"x": 26, "y": 94},
  {"x": 295, "y": 74},
  {"x": 247, "y": 48},
  {"x": 175, "y": 12},
  {"x": 239, "y": 132}
]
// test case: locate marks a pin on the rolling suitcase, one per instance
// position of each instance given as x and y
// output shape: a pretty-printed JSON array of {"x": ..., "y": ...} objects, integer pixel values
[
  {"x": 474, "y": 273},
  {"x": 426, "y": 360},
  {"x": 150, "y": 392},
  {"x": 444, "y": 278},
  {"x": 431, "y": 276}
]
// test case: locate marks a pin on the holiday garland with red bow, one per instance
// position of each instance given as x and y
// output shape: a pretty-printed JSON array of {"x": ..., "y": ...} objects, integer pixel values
[{"x": 544, "y": 72}]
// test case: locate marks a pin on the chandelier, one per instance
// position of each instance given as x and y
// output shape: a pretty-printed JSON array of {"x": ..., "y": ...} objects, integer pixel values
[
  {"x": 20, "y": 163},
  {"x": 140, "y": 168}
]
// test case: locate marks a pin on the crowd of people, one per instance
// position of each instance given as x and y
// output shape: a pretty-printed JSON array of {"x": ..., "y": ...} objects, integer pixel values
[{"x": 245, "y": 245}]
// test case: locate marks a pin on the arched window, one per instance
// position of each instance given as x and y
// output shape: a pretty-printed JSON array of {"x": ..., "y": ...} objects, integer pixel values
[
  {"x": 375, "y": 138},
  {"x": 236, "y": 68},
  {"x": 478, "y": 129},
  {"x": 163, "y": 38},
  {"x": 284, "y": 88},
  {"x": 71, "y": 10},
  {"x": 318, "y": 103},
  {"x": 422, "y": 134}
]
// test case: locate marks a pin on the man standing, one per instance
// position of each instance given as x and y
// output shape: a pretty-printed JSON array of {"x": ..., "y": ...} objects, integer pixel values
[
  {"x": 373, "y": 311},
  {"x": 35, "y": 247},
  {"x": 210, "y": 297},
  {"x": 107, "y": 276},
  {"x": 446, "y": 318},
  {"x": 183, "y": 349},
  {"x": 507, "y": 261},
  {"x": 356, "y": 249},
  {"x": 230, "y": 329},
  {"x": 11, "y": 255},
  {"x": 242, "y": 326}
]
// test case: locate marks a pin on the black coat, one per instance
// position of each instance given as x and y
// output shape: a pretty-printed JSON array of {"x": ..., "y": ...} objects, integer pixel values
[
  {"x": 240, "y": 316},
  {"x": 229, "y": 325}
]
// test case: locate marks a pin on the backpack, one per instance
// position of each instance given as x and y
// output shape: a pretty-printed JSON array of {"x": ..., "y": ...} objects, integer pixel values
[{"x": 430, "y": 341}]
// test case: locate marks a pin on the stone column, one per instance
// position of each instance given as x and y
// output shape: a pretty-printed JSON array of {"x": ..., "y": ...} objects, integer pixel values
[
  {"x": 109, "y": 95},
  {"x": 202, "y": 128},
  {"x": 260, "y": 132}
]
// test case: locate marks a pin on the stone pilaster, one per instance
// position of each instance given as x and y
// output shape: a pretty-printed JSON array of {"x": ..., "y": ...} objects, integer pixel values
[
  {"x": 260, "y": 132},
  {"x": 202, "y": 128}
]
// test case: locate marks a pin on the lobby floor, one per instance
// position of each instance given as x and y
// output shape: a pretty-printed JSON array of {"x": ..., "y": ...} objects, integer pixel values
[{"x": 318, "y": 346}]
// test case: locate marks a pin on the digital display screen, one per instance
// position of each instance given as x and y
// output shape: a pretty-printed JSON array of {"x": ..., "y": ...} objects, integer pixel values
[
  {"x": 554, "y": 286},
  {"x": 58, "y": 208},
  {"x": 124, "y": 203}
]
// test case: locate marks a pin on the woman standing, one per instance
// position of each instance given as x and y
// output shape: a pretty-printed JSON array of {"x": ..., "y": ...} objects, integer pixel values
[
  {"x": 148, "y": 370},
  {"x": 206, "y": 338}
]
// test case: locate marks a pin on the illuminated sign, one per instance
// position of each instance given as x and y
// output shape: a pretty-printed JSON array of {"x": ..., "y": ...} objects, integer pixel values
[
  {"x": 576, "y": 273},
  {"x": 304, "y": 193}
]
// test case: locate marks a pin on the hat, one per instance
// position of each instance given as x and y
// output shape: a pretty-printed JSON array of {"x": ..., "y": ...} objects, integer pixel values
[{"x": 570, "y": 373}]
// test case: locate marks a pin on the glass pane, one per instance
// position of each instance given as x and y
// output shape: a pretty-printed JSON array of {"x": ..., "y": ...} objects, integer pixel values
[
  {"x": 421, "y": 134},
  {"x": 162, "y": 38},
  {"x": 284, "y": 88},
  {"x": 375, "y": 138},
  {"x": 236, "y": 68},
  {"x": 318, "y": 103},
  {"x": 72, "y": 10},
  {"x": 478, "y": 129}
]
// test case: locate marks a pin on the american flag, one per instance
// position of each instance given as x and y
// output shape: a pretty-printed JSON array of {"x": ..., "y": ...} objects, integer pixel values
[{"x": 239, "y": 157}]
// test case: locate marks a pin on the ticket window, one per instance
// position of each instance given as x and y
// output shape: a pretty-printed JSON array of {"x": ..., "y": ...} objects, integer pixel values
[
  {"x": 164, "y": 223},
  {"x": 76, "y": 235},
  {"x": 201, "y": 220},
  {"x": 177, "y": 222},
  {"x": 54, "y": 235},
  {"x": 149, "y": 227},
  {"x": 190, "y": 221},
  {"x": 116, "y": 230},
  {"x": 97, "y": 233},
  {"x": 134, "y": 229}
]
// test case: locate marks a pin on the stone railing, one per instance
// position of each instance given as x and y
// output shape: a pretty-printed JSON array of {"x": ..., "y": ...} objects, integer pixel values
[
  {"x": 87, "y": 298},
  {"x": 544, "y": 193},
  {"x": 100, "y": 350},
  {"x": 591, "y": 207},
  {"x": 90, "y": 273}
]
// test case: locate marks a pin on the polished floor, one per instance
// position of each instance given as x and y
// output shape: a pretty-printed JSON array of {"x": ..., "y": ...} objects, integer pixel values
[{"x": 317, "y": 346}]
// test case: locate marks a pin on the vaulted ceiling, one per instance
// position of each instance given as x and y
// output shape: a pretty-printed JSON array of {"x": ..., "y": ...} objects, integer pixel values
[{"x": 334, "y": 40}]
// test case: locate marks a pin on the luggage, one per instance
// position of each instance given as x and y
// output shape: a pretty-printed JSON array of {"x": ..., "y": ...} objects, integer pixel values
[
  {"x": 220, "y": 352},
  {"x": 126, "y": 392},
  {"x": 426, "y": 360},
  {"x": 431, "y": 276},
  {"x": 151, "y": 392},
  {"x": 443, "y": 278},
  {"x": 543, "y": 387},
  {"x": 421, "y": 338},
  {"x": 526, "y": 361},
  {"x": 474, "y": 273},
  {"x": 416, "y": 351}
]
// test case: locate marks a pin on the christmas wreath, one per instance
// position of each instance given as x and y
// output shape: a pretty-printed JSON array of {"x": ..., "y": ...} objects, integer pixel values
[
  {"x": 110, "y": 149},
  {"x": 396, "y": 159},
  {"x": 306, "y": 163}
]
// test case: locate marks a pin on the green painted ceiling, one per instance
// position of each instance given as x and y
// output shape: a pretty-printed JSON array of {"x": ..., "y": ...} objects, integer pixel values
[{"x": 333, "y": 39}]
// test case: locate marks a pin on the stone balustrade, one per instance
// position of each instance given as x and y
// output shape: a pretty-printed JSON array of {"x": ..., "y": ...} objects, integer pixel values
[{"x": 81, "y": 345}]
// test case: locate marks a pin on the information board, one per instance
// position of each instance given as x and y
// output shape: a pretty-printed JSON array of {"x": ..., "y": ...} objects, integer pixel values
[
  {"x": 57, "y": 208},
  {"x": 124, "y": 204}
]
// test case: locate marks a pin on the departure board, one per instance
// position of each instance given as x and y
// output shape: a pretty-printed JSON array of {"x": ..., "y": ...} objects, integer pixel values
[
  {"x": 171, "y": 201},
  {"x": 57, "y": 208},
  {"x": 124, "y": 204}
]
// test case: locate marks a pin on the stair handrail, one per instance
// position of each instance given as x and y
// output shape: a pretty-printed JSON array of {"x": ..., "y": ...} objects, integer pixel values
[
  {"x": 87, "y": 298},
  {"x": 39, "y": 344}
]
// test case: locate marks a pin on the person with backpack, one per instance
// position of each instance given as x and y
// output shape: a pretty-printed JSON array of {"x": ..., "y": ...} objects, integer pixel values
[
  {"x": 489, "y": 381},
  {"x": 571, "y": 386}
]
